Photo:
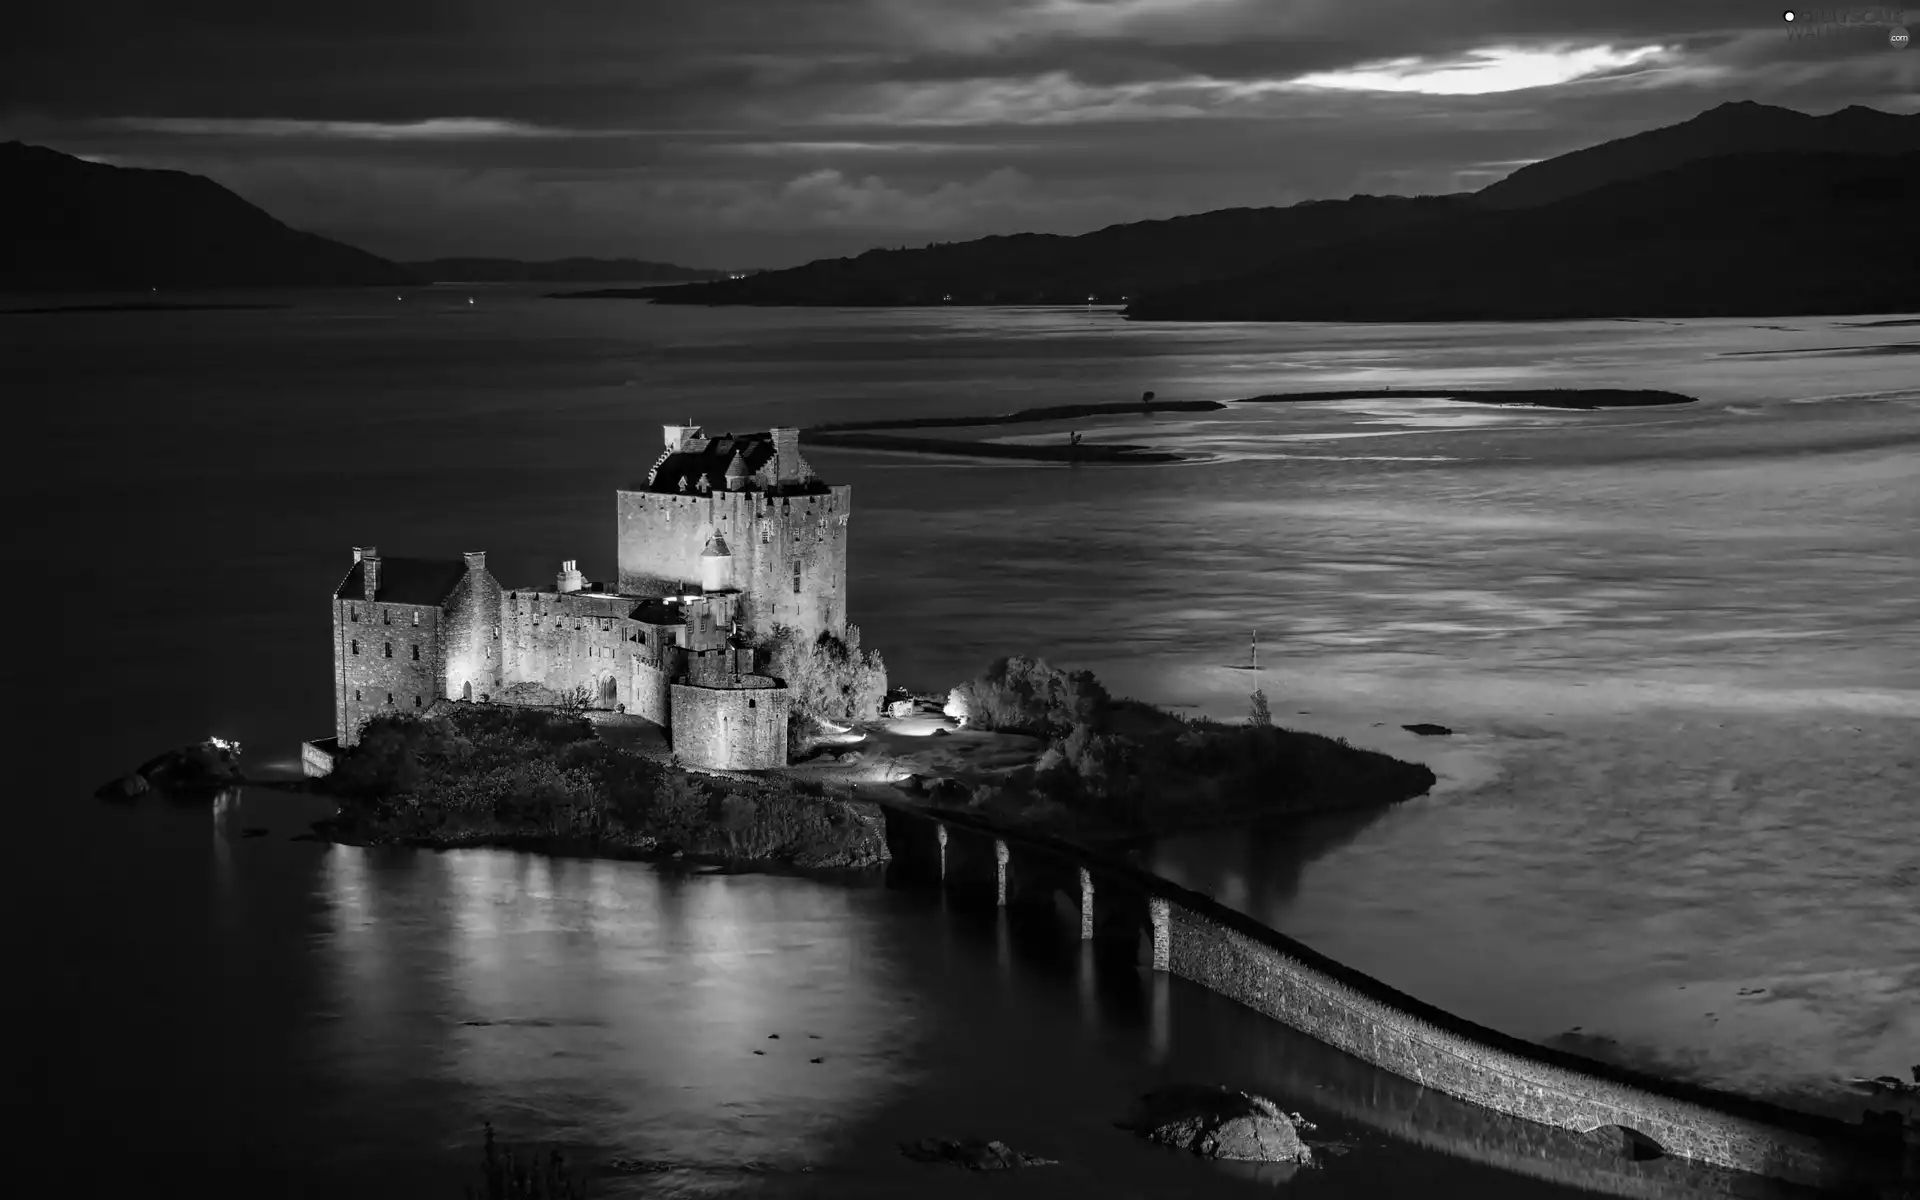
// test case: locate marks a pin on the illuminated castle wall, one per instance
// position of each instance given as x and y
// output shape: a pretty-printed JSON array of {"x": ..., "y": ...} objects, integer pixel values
[{"x": 726, "y": 539}]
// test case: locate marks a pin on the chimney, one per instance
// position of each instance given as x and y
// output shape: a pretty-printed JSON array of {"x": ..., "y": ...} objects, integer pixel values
[
  {"x": 476, "y": 560},
  {"x": 570, "y": 579},
  {"x": 370, "y": 569},
  {"x": 787, "y": 464}
]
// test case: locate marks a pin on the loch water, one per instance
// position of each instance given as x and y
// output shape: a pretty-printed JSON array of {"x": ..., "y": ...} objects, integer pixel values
[{"x": 1679, "y": 649}]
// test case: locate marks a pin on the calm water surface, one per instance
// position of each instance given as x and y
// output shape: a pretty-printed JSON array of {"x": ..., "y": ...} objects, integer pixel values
[{"x": 1680, "y": 650}]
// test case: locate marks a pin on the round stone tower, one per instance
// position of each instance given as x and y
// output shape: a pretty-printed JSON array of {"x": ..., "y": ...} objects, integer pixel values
[{"x": 716, "y": 566}]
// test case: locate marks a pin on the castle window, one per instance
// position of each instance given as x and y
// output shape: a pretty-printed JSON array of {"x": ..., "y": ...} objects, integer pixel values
[
  {"x": 489, "y": 653},
  {"x": 416, "y": 620},
  {"x": 496, "y": 633},
  {"x": 389, "y": 699},
  {"x": 386, "y": 650},
  {"x": 749, "y": 701},
  {"x": 416, "y": 654},
  {"x": 386, "y": 616},
  {"x": 416, "y": 702},
  {"x": 796, "y": 579},
  {"x": 356, "y": 695},
  {"x": 356, "y": 645},
  {"x": 353, "y": 612}
]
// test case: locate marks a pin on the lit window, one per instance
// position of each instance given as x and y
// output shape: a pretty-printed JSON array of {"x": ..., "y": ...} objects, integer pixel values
[
  {"x": 416, "y": 620},
  {"x": 386, "y": 650}
]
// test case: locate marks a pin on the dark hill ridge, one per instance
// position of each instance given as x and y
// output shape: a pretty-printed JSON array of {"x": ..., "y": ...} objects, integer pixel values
[
  {"x": 1744, "y": 235},
  {"x": 559, "y": 270},
  {"x": 71, "y": 225},
  {"x": 1163, "y": 267},
  {"x": 1739, "y": 128},
  {"x": 1108, "y": 265}
]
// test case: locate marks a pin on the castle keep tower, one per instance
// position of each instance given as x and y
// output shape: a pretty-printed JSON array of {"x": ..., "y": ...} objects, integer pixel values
[{"x": 783, "y": 529}]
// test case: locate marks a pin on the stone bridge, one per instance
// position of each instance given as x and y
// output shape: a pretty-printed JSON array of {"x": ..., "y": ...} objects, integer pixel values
[{"x": 1187, "y": 934}]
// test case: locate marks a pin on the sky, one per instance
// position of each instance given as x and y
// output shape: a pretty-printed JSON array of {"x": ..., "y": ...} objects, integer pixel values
[{"x": 765, "y": 133}]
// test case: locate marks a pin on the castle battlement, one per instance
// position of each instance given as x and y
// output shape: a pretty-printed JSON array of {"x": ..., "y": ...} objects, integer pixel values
[{"x": 729, "y": 537}]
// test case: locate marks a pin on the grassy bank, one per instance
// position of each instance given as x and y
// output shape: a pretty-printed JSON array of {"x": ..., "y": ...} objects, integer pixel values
[
  {"x": 475, "y": 774},
  {"x": 1119, "y": 770}
]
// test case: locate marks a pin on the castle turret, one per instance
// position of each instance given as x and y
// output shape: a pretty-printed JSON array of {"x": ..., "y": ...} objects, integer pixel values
[
  {"x": 570, "y": 578},
  {"x": 370, "y": 569},
  {"x": 476, "y": 560},
  {"x": 737, "y": 473},
  {"x": 716, "y": 566}
]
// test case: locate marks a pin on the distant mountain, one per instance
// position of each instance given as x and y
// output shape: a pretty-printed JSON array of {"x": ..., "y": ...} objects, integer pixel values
[
  {"x": 1111, "y": 264},
  {"x": 560, "y": 270},
  {"x": 1741, "y": 235},
  {"x": 1739, "y": 128},
  {"x": 1209, "y": 263},
  {"x": 71, "y": 225}
]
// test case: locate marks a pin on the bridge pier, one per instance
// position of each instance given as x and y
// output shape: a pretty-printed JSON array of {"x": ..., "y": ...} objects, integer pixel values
[
  {"x": 1086, "y": 905},
  {"x": 1162, "y": 932},
  {"x": 940, "y": 835},
  {"x": 1000, "y": 857}
]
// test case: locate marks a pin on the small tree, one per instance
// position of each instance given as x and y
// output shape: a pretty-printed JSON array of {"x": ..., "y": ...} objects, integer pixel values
[{"x": 1261, "y": 714}]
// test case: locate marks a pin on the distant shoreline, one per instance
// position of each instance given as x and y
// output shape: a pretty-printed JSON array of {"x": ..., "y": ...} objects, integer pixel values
[
  {"x": 117, "y": 308},
  {"x": 868, "y": 435}
]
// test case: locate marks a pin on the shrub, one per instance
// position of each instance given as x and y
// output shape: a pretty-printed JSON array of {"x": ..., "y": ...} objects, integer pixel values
[
  {"x": 831, "y": 679},
  {"x": 1028, "y": 695},
  {"x": 1260, "y": 713}
]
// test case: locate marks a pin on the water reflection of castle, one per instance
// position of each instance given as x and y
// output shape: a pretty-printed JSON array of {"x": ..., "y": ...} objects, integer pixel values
[{"x": 727, "y": 538}]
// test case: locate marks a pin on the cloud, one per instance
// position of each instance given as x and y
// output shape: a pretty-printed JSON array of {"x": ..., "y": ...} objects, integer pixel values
[
  {"x": 1486, "y": 71},
  {"x": 431, "y": 129}
]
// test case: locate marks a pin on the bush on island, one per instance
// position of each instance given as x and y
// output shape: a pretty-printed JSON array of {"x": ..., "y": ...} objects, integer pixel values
[
  {"x": 478, "y": 772},
  {"x": 831, "y": 680},
  {"x": 1018, "y": 694}
]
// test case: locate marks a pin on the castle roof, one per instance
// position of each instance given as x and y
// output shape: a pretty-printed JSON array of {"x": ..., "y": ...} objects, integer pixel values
[
  {"x": 406, "y": 581},
  {"x": 716, "y": 548},
  {"x": 710, "y": 457}
]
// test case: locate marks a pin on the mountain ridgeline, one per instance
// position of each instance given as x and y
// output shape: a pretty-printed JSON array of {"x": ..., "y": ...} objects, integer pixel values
[
  {"x": 1744, "y": 210},
  {"x": 70, "y": 225},
  {"x": 559, "y": 270}
]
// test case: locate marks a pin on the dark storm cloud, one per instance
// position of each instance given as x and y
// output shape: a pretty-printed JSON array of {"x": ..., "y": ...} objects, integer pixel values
[{"x": 757, "y": 131}]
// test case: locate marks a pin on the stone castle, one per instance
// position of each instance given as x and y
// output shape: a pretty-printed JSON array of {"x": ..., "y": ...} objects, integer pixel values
[{"x": 727, "y": 538}]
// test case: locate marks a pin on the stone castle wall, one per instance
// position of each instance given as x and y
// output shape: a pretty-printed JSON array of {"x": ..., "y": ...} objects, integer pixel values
[
  {"x": 367, "y": 681},
  {"x": 731, "y": 729},
  {"x": 564, "y": 640},
  {"x": 661, "y": 538}
]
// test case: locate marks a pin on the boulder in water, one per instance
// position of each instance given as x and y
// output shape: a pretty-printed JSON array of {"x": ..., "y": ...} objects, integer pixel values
[
  {"x": 200, "y": 769},
  {"x": 127, "y": 787},
  {"x": 1218, "y": 1122}
]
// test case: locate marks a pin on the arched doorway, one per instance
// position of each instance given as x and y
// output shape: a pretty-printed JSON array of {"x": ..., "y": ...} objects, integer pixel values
[
  {"x": 609, "y": 692},
  {"x": 466, "y": 690}
]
